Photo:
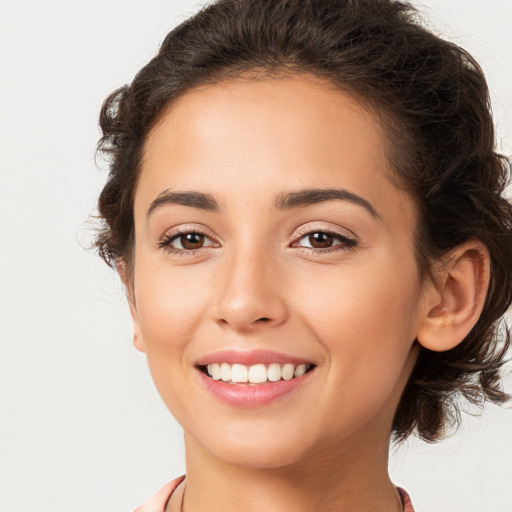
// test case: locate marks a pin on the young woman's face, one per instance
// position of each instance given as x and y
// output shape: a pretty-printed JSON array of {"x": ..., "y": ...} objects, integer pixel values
[{"x": 268, "y": 233}]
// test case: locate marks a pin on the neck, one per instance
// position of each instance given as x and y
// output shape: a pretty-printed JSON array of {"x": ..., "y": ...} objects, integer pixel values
[{"x": 352, "y": 477}]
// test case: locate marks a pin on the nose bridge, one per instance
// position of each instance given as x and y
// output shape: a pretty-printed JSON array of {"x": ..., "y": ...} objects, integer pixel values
[{"x": 250, "y": 293}]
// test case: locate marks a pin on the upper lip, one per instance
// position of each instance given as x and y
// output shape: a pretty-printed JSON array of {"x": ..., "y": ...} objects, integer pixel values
[{"x": 250, "y": 357}]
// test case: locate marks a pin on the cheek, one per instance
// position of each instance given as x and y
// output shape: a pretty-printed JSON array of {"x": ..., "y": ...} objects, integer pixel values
[
  {"x": 367, "y": 343},
  {"x": 170, "y": 305},
  {"x": 378, "y": 301},
  {"x": 366, "y": 322}
]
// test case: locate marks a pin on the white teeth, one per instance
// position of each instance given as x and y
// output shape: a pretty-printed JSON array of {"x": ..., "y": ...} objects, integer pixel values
[
  {"x": 255, "y": 374},
  {"x": 300, "y": 370},
  {"x": 239, "y": 373},
  {"x": 287, "y": 371},
  {"x": 225, "y": 372},
  {"x": 274, "y": 372},
  {"x": 214, "y": 371}
]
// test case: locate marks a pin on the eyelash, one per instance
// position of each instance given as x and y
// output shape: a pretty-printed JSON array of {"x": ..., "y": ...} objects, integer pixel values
[
  {"x": 167, "y": 240},
  {"x": 347, "y": 244}
]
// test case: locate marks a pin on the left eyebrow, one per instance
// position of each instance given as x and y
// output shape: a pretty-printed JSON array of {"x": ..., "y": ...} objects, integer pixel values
[{"x": 309, "y": 197}]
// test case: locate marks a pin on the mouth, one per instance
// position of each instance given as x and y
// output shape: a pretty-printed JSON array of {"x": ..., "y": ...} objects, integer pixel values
[
  {"x": 254, "y": 375},
  {"x": 253, "y": 378}
]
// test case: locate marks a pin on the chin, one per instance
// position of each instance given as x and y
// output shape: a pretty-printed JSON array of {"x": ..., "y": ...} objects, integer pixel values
[
  {"x": 248, "y": 456},
  {"x": 254, "y": 450}
]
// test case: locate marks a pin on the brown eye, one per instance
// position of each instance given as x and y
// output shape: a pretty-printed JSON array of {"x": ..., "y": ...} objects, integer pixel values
[
  {"x": 320, "y": 240},
  {"x": 190, "y": 241},
  {"x": 187, "y": 241}
]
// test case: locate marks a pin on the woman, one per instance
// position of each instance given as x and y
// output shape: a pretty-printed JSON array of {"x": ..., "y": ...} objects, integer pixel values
[{"x": 304, "y": 204}]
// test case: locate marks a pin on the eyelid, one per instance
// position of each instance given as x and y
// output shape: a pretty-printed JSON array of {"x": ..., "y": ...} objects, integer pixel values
[
  {"x": 189, "y": 228},
  {"x": 315, "y": 228}
]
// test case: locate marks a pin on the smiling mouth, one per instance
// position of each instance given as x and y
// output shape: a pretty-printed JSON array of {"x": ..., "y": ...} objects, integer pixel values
[{"x": 256, "y": 374}]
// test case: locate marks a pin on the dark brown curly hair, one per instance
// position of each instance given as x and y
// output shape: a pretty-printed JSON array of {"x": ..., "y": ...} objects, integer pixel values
[{"x": 433, "y": 102}]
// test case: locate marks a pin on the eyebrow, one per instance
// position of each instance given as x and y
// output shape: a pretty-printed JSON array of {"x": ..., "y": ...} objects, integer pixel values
[
  {"x": 284, "y": 201},
  {"x": 193, "y": 199},
  {"x": 309, "y": 197}
]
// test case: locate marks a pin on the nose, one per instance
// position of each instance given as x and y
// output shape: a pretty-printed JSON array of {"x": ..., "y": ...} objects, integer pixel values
[{"x": 251, "y": 294}]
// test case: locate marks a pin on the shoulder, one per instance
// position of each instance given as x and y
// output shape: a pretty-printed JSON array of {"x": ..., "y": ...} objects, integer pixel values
[{"x": 157, "y": 502}]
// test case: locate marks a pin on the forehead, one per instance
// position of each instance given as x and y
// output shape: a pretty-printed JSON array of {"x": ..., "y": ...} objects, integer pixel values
[
  {"x": 266, "y": 136},
  {"x": 270, "y": 114}
]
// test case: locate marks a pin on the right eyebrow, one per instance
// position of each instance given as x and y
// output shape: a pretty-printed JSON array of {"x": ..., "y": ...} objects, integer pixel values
[{"x": 192, "y": 199}]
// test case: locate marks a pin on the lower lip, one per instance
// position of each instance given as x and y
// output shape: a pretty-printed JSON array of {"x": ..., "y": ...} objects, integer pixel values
[{"x": 244, "y": 395}]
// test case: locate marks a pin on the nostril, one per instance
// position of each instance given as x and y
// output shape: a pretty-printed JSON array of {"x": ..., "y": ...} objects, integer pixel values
[{"x": 263, "y": 319}]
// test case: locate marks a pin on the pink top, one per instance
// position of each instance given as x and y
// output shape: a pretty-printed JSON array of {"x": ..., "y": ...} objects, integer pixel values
[{"x": 158, "y": 502}]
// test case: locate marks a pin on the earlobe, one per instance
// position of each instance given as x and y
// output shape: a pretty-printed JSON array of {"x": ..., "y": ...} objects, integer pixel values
[
  {"x": 138, "y": 339},
  {"x": 455, "y": 303}
]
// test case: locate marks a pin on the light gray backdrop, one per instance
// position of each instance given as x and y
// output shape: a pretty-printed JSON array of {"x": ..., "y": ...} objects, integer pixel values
[{"x": 81, "y": 427}]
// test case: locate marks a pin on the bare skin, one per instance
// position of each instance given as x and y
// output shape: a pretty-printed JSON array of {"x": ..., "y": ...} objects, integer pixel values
[{"x": 255, "y": 277}]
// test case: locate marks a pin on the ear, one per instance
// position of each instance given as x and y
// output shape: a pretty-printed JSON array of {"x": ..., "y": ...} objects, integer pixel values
[
  {"x": 127, "y": 279},
  {"x": 455, "y": 302}
]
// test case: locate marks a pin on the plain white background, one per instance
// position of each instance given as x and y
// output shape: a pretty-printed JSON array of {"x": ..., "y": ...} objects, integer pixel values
[{"x": 81, "y": 427}]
